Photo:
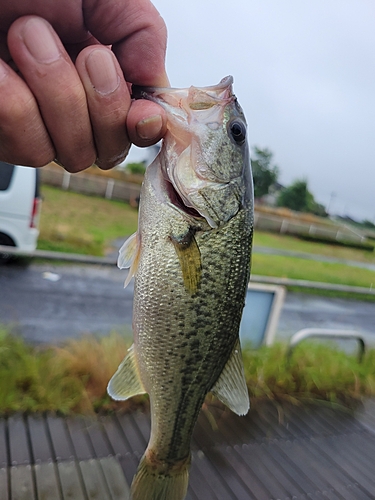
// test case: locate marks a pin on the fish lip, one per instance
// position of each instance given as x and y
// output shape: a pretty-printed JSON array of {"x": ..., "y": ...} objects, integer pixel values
[{"x": 150, "y": 93}]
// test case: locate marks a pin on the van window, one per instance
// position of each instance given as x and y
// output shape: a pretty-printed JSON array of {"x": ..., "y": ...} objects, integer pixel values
[{"x": 6, "y": 172}]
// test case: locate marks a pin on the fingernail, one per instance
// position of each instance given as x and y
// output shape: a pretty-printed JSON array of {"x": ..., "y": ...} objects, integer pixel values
[
  {"x": 102, "y": 71},
  {"x": 149, "y": 128},
  {"x": 40, "y": 41}
]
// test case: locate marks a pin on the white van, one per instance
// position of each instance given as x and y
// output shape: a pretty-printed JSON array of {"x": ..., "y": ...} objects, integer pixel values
[{"x": 20, "y": 205}]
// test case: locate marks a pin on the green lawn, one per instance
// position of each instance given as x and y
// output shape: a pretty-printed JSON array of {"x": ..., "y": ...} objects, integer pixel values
[
  {"x": 71, "y": 222},
  {"x": 285, "y": 242},
  {"x": 295, "y": 268}
]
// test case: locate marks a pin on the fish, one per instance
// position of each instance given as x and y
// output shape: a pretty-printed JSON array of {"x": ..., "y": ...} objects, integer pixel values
[{"x": 190, "y": 258}]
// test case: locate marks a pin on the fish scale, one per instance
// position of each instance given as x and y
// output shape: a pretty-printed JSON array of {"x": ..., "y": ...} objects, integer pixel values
[{"x": 191, "y": 262}]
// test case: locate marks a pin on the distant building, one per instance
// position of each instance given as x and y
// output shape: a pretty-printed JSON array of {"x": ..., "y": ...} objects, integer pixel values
[{"x": 272, "y": 196}]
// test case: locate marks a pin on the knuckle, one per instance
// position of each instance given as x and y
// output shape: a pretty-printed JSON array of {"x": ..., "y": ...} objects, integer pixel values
[
  {"x": 23, "y": 137},
  {"x": 77, "y": 163}
]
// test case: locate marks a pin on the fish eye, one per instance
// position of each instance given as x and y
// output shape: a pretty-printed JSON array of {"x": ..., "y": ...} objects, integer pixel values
[{"x": 238, "y": 132}]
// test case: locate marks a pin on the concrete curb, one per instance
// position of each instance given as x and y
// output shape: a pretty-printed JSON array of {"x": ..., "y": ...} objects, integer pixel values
[
  {"x": 62, "y": 256},
  {"x": 313, "y": 284}
]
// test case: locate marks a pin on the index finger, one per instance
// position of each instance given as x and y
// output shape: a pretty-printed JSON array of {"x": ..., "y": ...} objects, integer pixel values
[{"x": 138, "y": 36}]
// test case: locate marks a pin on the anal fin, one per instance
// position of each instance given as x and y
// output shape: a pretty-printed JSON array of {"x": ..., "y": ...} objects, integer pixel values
[
  {"x": 126, "y": 382},
  {"x": 231, "y": 387}
]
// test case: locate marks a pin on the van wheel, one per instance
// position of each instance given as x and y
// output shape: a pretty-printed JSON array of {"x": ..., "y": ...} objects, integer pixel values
[{"x": 6, "y": 241}]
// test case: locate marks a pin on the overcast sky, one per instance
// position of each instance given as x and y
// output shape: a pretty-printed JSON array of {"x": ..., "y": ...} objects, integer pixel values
[{"x": 304, "y": 73}]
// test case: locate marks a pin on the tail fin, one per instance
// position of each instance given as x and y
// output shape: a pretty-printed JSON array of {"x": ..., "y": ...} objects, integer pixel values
[{"x": 157, "y": 481}]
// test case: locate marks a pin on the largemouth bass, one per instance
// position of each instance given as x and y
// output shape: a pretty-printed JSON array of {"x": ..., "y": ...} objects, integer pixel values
[{"x": 191, "y": 262}]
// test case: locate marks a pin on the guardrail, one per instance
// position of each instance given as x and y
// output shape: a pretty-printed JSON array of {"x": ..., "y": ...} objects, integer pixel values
[
  {"x": 326, "y": 334},
  {"x": 127, "y": 191},
  {"x": 282, "y": 225},
  {"x": 84, "y": 183}
]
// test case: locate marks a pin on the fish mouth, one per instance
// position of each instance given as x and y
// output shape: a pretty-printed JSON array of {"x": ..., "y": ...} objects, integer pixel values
[{"x": 176, "y": 200}]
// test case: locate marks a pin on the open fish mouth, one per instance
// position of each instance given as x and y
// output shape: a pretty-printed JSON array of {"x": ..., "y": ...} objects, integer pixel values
[
  {"x": 176, "y": 200},
  {"x": 180, "y": 199}
]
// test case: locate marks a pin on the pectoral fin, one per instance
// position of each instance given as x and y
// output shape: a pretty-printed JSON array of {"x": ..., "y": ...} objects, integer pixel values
[
  {"x": 231, "y": 386},
  {"x": 126, "y": 382},
  {"x": 129, "y": 256},
  {"x": 189, "y": 256}
]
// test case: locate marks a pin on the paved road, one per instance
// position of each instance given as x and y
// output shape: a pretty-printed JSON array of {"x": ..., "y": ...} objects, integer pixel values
[
  {"x": 309, "y": 311},
  {"x": 83, "y": 299},
  {"x": 92, "y": 299}
]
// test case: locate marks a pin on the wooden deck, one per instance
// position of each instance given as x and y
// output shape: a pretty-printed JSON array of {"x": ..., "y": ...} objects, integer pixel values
[{"x": 285, "y": 452}]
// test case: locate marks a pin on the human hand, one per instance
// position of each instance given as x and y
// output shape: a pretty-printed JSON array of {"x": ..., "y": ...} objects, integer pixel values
[{"x": 55, "y": 104}]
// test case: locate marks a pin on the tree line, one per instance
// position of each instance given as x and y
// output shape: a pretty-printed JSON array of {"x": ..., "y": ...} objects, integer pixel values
[{"x": 296, "y": 196}]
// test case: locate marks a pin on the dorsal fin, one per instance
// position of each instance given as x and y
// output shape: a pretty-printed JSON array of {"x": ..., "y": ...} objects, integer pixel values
[
  {"x": 231, "y": 387},
  {"x": 126, "y": 382},
  {"x": 129, "y": 256}
]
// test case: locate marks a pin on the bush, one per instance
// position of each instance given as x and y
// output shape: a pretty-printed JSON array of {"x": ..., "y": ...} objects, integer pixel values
[
  {"x": 73, "y": 378},
  {"x": 136, "y": 168}
]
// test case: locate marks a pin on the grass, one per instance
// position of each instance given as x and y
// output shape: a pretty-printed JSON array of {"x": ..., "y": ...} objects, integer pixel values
[
  {"x": 72, "y": 378},
  {"x": 67, "y": 379},
  {"x": 286, "y": 242},
  {"x": 316, "y": 371},
  {"x": 296, "y": 268},
  {"x": 71, "y": 222}
]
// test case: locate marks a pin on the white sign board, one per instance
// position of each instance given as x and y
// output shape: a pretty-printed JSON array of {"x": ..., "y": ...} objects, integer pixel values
[{"x": 261, "y": 314}]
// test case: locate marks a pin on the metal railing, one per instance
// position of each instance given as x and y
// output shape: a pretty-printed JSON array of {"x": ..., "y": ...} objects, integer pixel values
[{"x": 326, "y": 334}]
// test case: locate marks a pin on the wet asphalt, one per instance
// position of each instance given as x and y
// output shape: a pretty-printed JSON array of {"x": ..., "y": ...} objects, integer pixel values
[{"x": 51, "y": 303}]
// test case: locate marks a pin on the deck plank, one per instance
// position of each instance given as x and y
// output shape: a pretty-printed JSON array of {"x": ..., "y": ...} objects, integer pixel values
[
  {"x": 311, "y": 469},
  {"x": 3, "y": 444},
  {"x": 199, "y": 487},
  {"x": 40, "y": 443},
  {"x": 18, "y": 441},
  {"x": 93, "y": 478},
  {"x": 253, "y": 472},
  {"x": 71, "y": 485},
  {"x": 80, "y": 438},
  {"x": 100, "y": 444},
  {"x": 335, "y": 477},
  {"x": 21, "y": 482},
  {"x": 136, "y": 442},
  {"x": 60, "y": 438},
  {"x": 115, "y": 436},
  {"x": 4, "y": 484},
  {"x": 115, "y": 479},
  {"x": 342, "y": 463},
  {"x": 47, "y": 483},
  {"x": 217, "y": 479},
  {"x": 262, "y": 452}
]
